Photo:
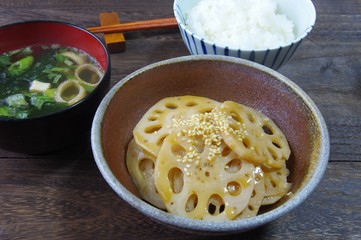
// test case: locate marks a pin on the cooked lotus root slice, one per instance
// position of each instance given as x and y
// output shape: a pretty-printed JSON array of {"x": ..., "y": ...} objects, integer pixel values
[
  {"x": 255, "y": 138},
  {"x": 193, "y": 186},
  {"x": 257, "y": 196},
  {"x": 156, "y": 123},
  {"x": 140, "y": 165},
  {"x": 276, "y": 185}
]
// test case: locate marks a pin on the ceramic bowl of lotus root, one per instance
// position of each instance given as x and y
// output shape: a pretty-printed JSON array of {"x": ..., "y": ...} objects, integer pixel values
[{"x": 210, "y": 144}]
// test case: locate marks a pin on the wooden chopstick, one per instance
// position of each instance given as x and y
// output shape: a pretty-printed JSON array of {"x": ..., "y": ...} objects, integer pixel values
[{"x": 134, "y": 26}]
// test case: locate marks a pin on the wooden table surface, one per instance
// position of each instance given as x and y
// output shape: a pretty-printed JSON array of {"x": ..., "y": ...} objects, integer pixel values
[{"x": 63, "y": 195}]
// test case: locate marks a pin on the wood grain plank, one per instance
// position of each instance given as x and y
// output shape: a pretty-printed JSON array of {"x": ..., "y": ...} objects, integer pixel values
[
  {"x": 62, "y": 195},
  {"x": 81, "y": 205}
]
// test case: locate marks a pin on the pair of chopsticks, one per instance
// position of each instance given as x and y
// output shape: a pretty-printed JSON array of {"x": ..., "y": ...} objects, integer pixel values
[{"x": 134, "y": 26}]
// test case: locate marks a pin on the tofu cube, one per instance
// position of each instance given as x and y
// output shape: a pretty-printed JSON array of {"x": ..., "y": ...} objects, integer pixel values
[{"x": 39, "y": 87}]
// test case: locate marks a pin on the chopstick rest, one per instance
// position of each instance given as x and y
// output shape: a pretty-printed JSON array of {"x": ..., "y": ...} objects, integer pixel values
[{"x": 115, "y": 42}]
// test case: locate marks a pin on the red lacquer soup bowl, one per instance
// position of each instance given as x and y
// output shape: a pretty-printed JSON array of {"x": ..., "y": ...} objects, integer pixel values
[{"x": 61, "y": 128}]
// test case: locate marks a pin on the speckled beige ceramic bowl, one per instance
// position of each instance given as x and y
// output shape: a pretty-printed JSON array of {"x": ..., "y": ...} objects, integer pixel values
[{"x": 219, "y": 78}]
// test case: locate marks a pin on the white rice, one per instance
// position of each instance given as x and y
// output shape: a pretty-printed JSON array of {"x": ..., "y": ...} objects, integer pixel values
[{"x": 243, "y": 24}]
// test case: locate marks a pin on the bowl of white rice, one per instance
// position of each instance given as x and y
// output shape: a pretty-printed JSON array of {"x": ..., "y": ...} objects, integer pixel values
[{"x": 267, "y": 32}]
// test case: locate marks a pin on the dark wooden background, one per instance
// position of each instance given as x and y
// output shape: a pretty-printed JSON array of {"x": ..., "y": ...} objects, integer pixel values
[{"x": 63, "y": 195}]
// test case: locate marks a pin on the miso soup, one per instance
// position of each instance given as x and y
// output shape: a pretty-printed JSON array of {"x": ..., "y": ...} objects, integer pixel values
[{"x": 39, "y": 80}]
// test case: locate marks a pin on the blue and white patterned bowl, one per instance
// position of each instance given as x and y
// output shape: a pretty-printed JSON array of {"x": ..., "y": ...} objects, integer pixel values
[{"x": 301, "y": 12}]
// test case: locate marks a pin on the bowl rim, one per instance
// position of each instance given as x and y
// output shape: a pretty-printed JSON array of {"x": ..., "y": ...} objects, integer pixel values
[
  {"x": 206, "y": 225},
  {"x": 107, "y": 71},
  {"x": 183, "y": 26}
]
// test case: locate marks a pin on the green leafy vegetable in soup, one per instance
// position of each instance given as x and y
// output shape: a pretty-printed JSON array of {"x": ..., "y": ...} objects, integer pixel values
[{"x": 38, "y": 80}]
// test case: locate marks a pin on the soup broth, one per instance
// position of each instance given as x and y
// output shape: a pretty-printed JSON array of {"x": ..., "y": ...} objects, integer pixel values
[{"x": 39, "y": 80}]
